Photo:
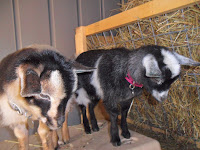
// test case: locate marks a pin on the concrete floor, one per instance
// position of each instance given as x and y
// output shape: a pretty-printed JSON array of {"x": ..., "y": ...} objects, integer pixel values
[{"x": 95, "y": 141}]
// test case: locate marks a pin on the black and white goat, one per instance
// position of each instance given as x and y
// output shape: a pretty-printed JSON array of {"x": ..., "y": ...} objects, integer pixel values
[
  {"x": 121, "y": 75},
  {"x": 36, "y": 82}
]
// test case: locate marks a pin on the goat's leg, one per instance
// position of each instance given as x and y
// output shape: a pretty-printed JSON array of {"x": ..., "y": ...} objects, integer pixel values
[
  {"x": 45, "y": 136},
  {"x": 124, "y": 126},
  {"x": 93, "y": 119},
  {"x": 55, "y": 139},
  {"x": 115, "y": 140},
  {"x": 65, "y": 130},
  {"x": 21, "y": 132},
  {"x": 85, "y": 120}
]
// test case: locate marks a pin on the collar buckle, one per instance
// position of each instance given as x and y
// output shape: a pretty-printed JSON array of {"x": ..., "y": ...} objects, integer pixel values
[
  {"x": 132, "y": 82},
  {"x": 16, "y": 108}
]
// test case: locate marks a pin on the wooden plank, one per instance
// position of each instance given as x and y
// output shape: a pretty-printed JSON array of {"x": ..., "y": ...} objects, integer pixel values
[
  {"x": 34, "y": 20},
  {"x": 7, "y": 34},
  {"x": 80, "y": 39},
  {"x": 52, "y": 23},
  {"x": 65, "y": 24},
  {"x": 150, "y": 9},
  {"x": 17, "y": 25}
]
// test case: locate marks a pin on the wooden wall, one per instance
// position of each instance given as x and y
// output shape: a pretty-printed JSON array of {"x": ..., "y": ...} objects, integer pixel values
[{"x": 24, "y": 22}]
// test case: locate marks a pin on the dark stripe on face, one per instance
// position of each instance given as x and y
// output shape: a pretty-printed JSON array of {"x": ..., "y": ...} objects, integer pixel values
[
  {"x": 166, "y": 85},
  {"x": 44, "y": 105}
]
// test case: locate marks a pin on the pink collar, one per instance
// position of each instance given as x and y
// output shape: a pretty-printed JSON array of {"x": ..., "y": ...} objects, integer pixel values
[{"x": 132, "y": 81}]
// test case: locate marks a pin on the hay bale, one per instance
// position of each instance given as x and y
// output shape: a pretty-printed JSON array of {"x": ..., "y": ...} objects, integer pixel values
[{"x": 180, "y": 31}]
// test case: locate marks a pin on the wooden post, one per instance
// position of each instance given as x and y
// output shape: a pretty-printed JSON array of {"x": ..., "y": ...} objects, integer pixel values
[
  {"x": 80, "y": 39},
  {"x": 18, "y": 32}
]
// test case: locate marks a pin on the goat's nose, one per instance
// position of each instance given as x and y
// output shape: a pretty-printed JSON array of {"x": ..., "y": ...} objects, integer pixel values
[
  {"x": 163, "y": 98},
  {"x": 61, "y": 121}
]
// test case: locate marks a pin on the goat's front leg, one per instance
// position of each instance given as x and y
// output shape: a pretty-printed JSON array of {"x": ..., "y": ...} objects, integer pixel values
[
  {"x": 21, "y": 132},
  {"x": 115, "y": 139},
  {"x": 124, "y": 111},
  {"x": 45, "y": 136},
  {"x": 55, "y": 139},
  {"x": 65, "y": 130}
]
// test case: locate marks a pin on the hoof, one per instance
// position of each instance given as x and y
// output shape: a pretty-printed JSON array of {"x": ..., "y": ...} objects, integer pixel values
[
  {"x": 116, "y": 142},
  {"x": 63, "y": 142},
  {"x": 96, "y": 129},
  {"x": 88, "y": 131},
  {"x": 126, "y": 135},
  {"x": 57, "y": 148}
]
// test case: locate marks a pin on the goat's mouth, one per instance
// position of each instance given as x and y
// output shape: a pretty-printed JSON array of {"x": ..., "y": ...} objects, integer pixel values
[
  {"x": 160, "y": 96},
  {"x": 50, "y": 124},
  {"x": 53, "y": 126},
  {"x": 161, "y": 99}
]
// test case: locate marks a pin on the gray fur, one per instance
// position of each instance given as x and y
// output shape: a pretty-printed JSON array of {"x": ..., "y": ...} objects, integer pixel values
[{"x": 153, "y": 66}]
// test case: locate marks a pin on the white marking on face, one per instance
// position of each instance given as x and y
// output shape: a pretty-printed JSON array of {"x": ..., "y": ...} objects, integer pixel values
[
  {"x": 83, "y": 98},
  {"x": 56, "y": 78},
  {"x": 171, "y": 62},
  {"x": 160, "y": 96},
  {"x": 56, "y": 92},
  {"x": 95, "y": 80}
]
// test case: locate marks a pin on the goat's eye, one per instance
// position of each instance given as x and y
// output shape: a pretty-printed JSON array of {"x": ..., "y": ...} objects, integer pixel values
[{"x": 157, "y": 80}]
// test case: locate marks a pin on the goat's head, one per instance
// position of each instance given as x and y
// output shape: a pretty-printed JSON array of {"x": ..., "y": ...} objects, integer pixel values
[
  {"x": 161, "y": 68},
  {"x": 46, "y": 82}
]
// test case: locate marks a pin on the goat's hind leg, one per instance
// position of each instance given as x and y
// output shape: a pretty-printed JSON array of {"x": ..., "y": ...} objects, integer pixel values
[
  {"x": 85, "y": 120},
  {"x": 93, "y": 119}
]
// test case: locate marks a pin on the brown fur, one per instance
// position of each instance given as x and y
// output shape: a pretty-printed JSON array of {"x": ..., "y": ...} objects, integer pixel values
[
  {"x": 37, "y": 82},
  {"x": 65, "y": 130},
  {"x": 17, "y": 84},
  {"x": 19, "y": 122}
]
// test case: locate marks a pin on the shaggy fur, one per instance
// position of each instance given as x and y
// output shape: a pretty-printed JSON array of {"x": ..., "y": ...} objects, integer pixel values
[
  {"x": 36, "y": 82},
  {"x": 155, "y": 67}
]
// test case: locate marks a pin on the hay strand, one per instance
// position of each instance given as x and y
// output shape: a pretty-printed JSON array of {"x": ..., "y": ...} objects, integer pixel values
[{"x": 180, "y": 31}]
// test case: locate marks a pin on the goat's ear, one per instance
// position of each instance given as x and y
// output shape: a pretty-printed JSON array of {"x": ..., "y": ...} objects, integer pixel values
[
  {"x": 151, "y": 66},
  {"x": 79, "y": 68},
  {"x": 30, "y": 83},
  {"x": 185, "y": 60}
]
